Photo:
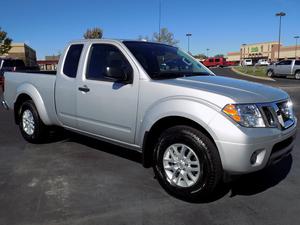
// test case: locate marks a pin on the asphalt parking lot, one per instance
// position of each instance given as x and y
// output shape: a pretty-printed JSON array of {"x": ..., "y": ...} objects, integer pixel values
[{"x": 78, "y": 180}]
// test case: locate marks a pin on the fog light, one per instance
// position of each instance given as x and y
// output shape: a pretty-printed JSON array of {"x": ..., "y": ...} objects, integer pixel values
[{"x": 257, "y": 157}]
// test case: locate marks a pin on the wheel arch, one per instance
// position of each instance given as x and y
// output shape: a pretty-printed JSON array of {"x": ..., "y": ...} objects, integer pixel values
[
  {"x": 29, "y": 92},
  {"x": 298, "y": 70},
  {"x": 156, "y": 130}
]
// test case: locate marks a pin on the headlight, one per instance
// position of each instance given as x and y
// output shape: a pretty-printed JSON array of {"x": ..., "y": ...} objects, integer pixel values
[
  {"x": 245, "y": 115},
  {"x": 287, "y": 111}
]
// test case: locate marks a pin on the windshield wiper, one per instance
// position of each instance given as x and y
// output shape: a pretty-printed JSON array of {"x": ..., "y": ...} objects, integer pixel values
[{"x": 176, "y": 74}]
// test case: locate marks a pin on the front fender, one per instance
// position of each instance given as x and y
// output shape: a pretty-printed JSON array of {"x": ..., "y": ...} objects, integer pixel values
[
  {"x": 196, "y": 110},
  {"x": 34, "y": 94}
]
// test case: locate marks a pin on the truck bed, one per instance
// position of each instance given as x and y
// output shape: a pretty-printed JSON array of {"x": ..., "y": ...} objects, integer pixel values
[{"x": 41, "y": 84}]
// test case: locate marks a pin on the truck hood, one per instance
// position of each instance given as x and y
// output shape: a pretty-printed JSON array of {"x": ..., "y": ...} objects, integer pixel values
[{"x": 239, "y": 91}]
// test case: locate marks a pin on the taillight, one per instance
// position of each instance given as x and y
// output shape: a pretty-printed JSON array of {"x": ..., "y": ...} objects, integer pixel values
[{"x": 2, "y": 83}]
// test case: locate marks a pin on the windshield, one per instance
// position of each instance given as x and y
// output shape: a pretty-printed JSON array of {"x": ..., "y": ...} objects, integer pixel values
[{"x": 162, "y": 61}]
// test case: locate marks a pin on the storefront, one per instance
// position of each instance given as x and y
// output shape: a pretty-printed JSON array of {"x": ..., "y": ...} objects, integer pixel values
[{"x": 264, "y": 50}]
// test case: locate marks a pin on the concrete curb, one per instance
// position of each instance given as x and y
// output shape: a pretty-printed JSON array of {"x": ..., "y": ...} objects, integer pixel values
[{"x": 252, "y": 76}]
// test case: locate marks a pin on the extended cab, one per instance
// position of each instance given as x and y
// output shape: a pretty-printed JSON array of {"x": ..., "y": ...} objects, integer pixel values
[
  {"x": 285, "y": 68},
  {"x": 190, "y": 125}
]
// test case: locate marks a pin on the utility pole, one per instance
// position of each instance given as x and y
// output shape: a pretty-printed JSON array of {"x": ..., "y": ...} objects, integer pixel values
[{"x": 159, "y": 21}]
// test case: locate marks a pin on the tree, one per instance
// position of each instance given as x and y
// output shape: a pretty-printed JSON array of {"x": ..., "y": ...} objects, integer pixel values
[
  {"x": 219, "y": 56},
  {"x": 165, "y": 36},
  {"x": 4, "y": 42},
  {"x": 200, "y": 56},
  {"x": 94, "y": 33}
]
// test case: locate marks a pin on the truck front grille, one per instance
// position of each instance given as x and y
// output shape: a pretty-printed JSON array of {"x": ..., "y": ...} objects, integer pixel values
[{"x": 278, "y": 114}]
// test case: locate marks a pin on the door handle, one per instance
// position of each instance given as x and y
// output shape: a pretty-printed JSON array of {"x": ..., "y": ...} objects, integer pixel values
[{"x": 84, "y": 89}]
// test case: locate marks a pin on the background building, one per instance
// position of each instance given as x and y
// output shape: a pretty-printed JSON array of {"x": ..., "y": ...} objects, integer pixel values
[
  {"x": 24, "y": 52},
  {"x": 50, "y": 63},
  {"x": 234, "y": 57},
  {"x": 264, "y": 50}
]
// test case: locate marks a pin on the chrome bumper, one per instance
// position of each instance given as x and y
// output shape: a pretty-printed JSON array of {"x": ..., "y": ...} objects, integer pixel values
[{"x": 4, "y": 104}]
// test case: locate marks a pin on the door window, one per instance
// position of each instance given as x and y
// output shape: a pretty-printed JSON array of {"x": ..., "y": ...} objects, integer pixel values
[
  {"x": 285, "y": 62},
  {"x": 102, "y": 57}
]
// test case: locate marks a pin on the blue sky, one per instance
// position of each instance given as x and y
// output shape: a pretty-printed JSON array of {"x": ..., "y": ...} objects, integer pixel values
[{"x": 220, "y": 25}]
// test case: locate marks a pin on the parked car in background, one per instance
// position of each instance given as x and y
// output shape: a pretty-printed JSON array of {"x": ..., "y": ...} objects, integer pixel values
[
  {"x": 290, "y": 67},
  {"x": 247, "y": 62},
  {"x": 15, "y": 65},
  {"x": 8, "y": 64},
  {"x": 217, "y": 61},
  {"x": 262, "y": 62},
  {"x": 191, "y": 126}
]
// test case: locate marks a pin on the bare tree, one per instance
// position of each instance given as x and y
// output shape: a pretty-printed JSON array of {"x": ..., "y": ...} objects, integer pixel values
[
  {"x": 94, "y": 33},
  {"x": 219, "y": 56},
  {"x": 165, "y": 36}
]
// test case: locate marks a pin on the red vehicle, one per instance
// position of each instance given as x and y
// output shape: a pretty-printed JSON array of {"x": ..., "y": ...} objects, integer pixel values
[{"x": 217, "y": 61}]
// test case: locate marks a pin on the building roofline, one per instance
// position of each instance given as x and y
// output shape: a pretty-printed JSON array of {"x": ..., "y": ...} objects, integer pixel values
[{"x": 261, "y": 43}]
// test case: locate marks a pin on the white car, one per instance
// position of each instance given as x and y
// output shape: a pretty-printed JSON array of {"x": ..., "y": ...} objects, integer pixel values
[
  {"x": 247, "y": 62},
  {"x": 262, "y": 62}
]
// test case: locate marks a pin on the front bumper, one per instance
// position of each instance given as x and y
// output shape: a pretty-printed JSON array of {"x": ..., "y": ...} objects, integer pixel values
[{"x": 246, "y": 150}]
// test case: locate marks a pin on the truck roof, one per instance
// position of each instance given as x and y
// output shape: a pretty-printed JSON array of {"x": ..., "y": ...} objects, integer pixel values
[{"x": 110, "y": 41}]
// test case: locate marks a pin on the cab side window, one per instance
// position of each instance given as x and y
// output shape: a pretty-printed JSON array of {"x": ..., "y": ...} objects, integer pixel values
[
  {"x": 72, "y": 60},
  {"x": 102, "y": 57}
]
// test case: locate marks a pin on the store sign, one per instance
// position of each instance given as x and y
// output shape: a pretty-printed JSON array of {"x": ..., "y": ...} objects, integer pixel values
[{"x": 254, "y": 49}]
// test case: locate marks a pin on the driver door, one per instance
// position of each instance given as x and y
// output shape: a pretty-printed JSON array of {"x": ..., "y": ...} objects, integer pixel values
[{"x": 105, "y": 107}]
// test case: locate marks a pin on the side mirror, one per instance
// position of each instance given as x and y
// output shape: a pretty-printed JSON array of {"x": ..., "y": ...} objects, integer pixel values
[{"x": 116, "y": 74}]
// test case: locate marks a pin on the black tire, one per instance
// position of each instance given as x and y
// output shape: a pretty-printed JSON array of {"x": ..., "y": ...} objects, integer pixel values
[
  {"x": 297, "y": 75},
  {"x": 211, "y": 168},
  {"x": 270, "y": 73},
  {"x": 39, "y": 132}
]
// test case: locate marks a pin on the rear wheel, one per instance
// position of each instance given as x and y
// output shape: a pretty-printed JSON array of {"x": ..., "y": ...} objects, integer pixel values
[
  {"x": 297, "y": 75},
  {"x": 270, "y": 73},
  {"x": 31, "y": 126},
  {"x": 187, "y": 163}
]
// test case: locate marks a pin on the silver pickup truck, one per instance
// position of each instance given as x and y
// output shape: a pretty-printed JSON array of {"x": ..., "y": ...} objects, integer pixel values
[
  {"x": 191, "y": 126},
  {"x": 285, "y": 68}
]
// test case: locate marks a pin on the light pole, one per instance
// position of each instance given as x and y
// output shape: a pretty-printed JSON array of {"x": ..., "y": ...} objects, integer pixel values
[
  {"x": 207, "y": 52},
  {"x": 280, "y": 14},
  {"x": 296, "y": 37},
  {"x": 243, "y": 56},
  {"x": 188, "y": 37},
  {"x": 159, "y": 20}
]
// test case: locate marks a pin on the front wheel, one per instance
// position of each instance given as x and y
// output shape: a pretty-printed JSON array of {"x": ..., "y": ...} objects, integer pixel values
[
  {"x": 31, "y": 126},
  {"x": 187, "y": 163}
]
